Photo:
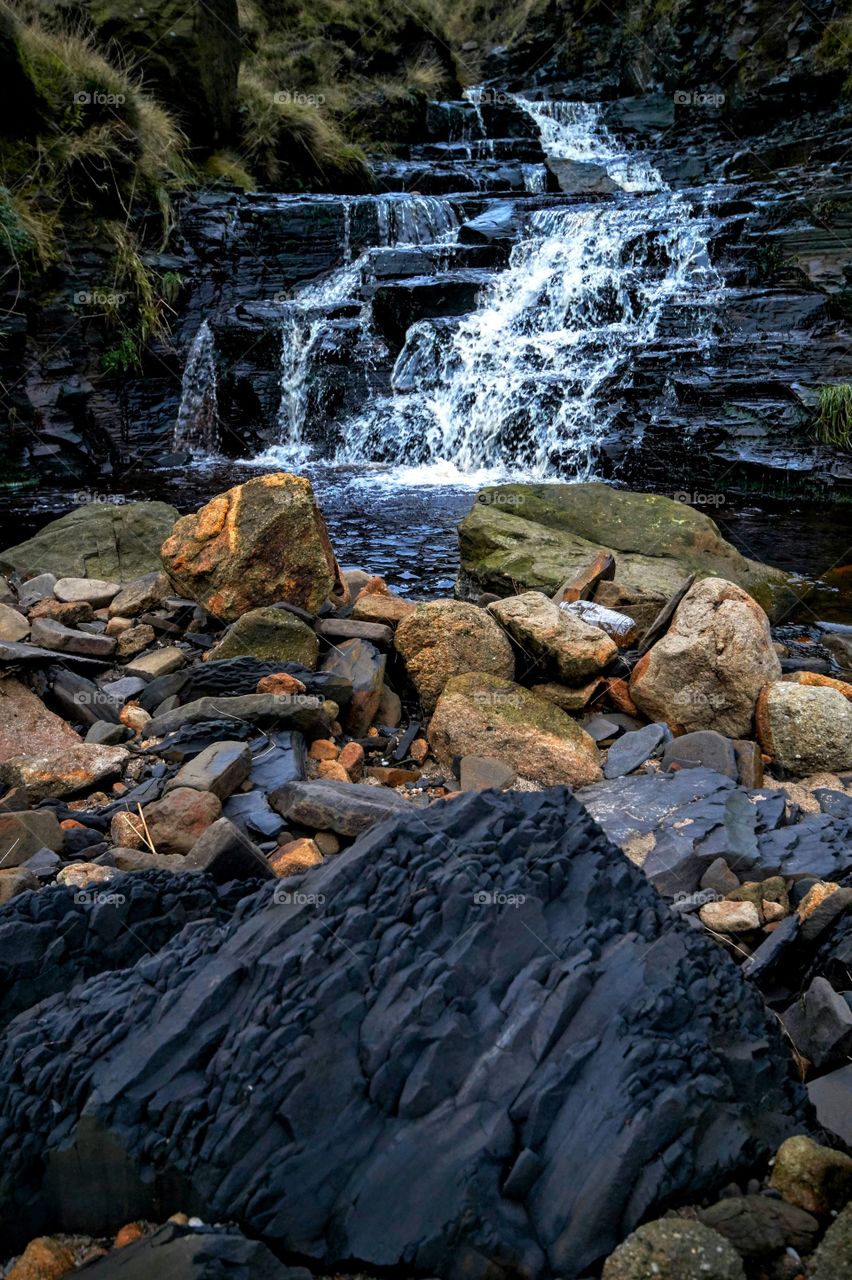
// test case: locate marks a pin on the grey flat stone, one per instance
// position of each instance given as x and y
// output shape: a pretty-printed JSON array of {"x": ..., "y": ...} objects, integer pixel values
[
  {"x": 96, "y": 591},
  {"x": 478, "y": 772},
  {"x": 832, "y": 1096},
  {"x": 343, "y": 807},
  {"x": 56, "y": 636},
  {"x": 160, "y": 662},
  {"x": 220, "y": 768},
  {"x": 633, "y": 749},
  {"x": 704, "y": 748},
  {"x": 299, "y": 711}
]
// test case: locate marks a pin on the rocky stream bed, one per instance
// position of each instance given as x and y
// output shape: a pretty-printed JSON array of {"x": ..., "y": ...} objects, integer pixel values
[{"x": 504, "y": 932}]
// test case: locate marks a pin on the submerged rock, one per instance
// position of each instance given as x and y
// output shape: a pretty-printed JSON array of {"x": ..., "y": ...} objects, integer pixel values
[
  {"x": 261, "y": 542},
  {"x": 435, "y": 1031},
  {"x": 533, "y": 535}
]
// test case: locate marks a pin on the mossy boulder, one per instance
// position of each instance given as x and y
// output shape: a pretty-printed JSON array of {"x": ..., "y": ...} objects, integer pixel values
[
  {"x": 117, "y": 543},
  {"x": 270, "y": 633},
  {"x": 260, "y": 543},
  {"x": 532, "y": 536},
  {"x": 478, "y": 712}
]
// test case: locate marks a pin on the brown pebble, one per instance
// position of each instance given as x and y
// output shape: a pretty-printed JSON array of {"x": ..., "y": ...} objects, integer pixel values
[
  {"x": 419, "y": 750},
  {"x": 71, "y": 824},
  {"x": 389, "y": 776},
  {"x": 128, "y": 1233},
  {"x": 327, "y": 843},
  {"x": 352, "y": 760},
  {"x": 323, "y": 749},
  {"x": 298, "y": 855},
  {"x": 280, "y": 682},
  {"x": 333, "y": 770},
  {"x": 44, "y": 1258}
]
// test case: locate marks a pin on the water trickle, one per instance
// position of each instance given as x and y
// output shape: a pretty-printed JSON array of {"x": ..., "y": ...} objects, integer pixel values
[
  {"x": 197, "y": 426},
  {"x": 532, "y": 380}
]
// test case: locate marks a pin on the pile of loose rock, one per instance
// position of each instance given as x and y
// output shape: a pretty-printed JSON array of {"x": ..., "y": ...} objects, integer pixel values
[{"x": 211, "y": 696}]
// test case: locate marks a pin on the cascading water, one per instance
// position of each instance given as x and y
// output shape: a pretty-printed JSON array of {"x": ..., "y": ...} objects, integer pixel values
[
  {"x": 530, "y": 381},
  {"x": 197, "y": 427},
  {"x": 400, "y": 220}
]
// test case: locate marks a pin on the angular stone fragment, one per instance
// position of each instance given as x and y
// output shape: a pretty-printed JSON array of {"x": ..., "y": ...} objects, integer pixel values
[
  {"x": 61, "y": 639},
  {"x": 75, "y": 768},
  {"x": 159, "y": 662},
  {"x": 226, "y": 853},
  {"x": 27, "y": 726},
  {"x": 572, "y": 648},
  {"x": 347, "y": 808},
  {"x": 140, "y": 595},
  {"x": 361, "y": 663},
  {"x": 446, "y": 638},
  {"x": 176, "y": 822},
  {"x": 274, "y": 634},
  {"x": 13, "y": 625},
  {"x": 219, "y": 768}
]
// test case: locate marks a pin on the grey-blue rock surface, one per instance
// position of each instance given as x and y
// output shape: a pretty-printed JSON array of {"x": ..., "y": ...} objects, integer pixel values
[{"x": 475, "y": 1043}]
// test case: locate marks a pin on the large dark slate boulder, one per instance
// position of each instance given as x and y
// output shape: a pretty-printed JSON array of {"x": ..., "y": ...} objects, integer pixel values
[{"x": 475, "y": 1044}]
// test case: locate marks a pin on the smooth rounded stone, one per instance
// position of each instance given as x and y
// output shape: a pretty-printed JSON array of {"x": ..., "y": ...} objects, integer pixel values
[
  {"x": 815, "y": 1178},
  {"x": 94, "y": 591},
  {"x": 26, "y": 724},
  {"x": 13, "y": 625},
  {"x": 758, "y": 1226},
  {"x": 533, "y": 535},
  {"x": 274, "y": 634},
  {"x": 77, "y": 767},
  {"x": 730, "y": 917},
  {"x": 833, "y": 1258},
  {"x": 160, "y": 662},
  {"x": 140, "y": 595},
  {"x": 15, "y": 880},
  {"x": 61, "y": 639},
  {"x": 133, "y": 640},
  {"x": 375, "y": 603},
  {"x": 528, "y": 734},
  {"x": 674, "y": 1249},
  {"x": 805, "y": 728},
  {"x": 81, "y": 875},
  {"x": 819, "y": 1025},
  {"x": 108, "y": 735},
  {"x": 219, "y": 768},
  {"x": 478, "y": 772},
  {"x": 134, "y": 717},
  {"x": 707, "y": 671},
  {"x": 446, "y": 638},
  {"x": 634, "y": 748},
  {"x": 703, "y": 748},
  {"x": 351, "y": 758},
  {"x": 44, "y": 1258},
  {"x": 327, "y": 843},
  {"x": 502, "y": 926},
  {"x": 332, "y": 770},
  {"x": 346, "y": 808},
  {"x": 258, "y": 543},
  {"x": 362, "y": 665},
  {"x": 175, "y": 823},
  {"x": 295, "y": 857},
  {"x": 556, "y": 639}
]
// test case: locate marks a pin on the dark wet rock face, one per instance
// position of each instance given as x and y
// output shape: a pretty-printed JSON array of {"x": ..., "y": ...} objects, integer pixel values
[{"x": 475, "y": 1043}]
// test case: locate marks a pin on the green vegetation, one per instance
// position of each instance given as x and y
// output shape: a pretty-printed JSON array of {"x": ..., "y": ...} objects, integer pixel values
[{"x": 834, "y": 416}]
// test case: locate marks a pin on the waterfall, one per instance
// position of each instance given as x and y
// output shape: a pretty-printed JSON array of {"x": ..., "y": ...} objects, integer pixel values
[
  {"x": 197, "y": 426},
  {"x": 400, "y": 220},
  {"x": 531, "y": 381}
]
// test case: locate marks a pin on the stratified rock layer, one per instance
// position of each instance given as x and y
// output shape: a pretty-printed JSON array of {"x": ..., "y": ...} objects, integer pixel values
[{"x": 476, "y": 1043}]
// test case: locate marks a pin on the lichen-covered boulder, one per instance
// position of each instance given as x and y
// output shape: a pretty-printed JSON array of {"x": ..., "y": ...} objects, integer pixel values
[
  {"x": 534, "y": 535},
  {"x": 445, "y": 638},
  {"x": 404, "y": 1058},
  {"x": 269, "y": 633},
  {"x": 709, "y": 668},
  {"x": 261, "y": 542},
  {"x": 805, "y": 728},
  {"x": 529, "y": 733},
  {"x": 117, "y": 543}
]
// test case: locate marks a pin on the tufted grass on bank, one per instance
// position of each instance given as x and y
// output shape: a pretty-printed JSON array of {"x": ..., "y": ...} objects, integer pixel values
[{"x": 834, "y": 416}]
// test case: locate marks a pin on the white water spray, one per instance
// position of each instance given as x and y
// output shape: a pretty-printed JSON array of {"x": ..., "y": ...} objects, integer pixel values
[{"x": 197, "y": 427}]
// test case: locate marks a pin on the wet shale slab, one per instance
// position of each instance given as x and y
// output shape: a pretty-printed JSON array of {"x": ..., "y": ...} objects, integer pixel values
[{"x": 476, "y": 1043}]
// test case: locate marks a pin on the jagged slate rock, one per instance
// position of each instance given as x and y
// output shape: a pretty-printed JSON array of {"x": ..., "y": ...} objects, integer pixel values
[
  {"x": 602, "y": 727},
  {"x": 187, "y": 742},
  {"x": 625, "y": 807},
  {"x": 175, "y": 1252},
  {"x": 703, "y": 747},
  {"x": 108, "y": 735},
  {"x": 815, "y": 845},
  {"x": 240, "y": 676},
  {"x": 661, "y": 623},
  {"x": 49, "y": 940},
  {"x": 634, "y": 748},
  {"x": 44, "y": 864},
  {"x": 254, "y": 816},
  {"x": 80, "y": 699},
  {"x": 14, "y": 653},
  {"x": 347, "y": 808},
  {"x": 336, "y": 629},
  {"x": 819, "y": 1024},
  {"x": 835, "y": 905},
  {"x": 360, "y": 663},
  {"x": 125, "y": 688},
  {"x": 144, "y": 793},
  {"x": 56, "y": 637},
  {"x": 499, "y": 223},
  {"x": 220, "y": 768},
  {"x": 831, "y": 1095},
  {"x": 24, "y": 832},
  {"x": 226, "y": 853},
  {"x": 462, "y": 987},
  {"x": 837, "y": 804},
  {"x": 300, "y": 711},
  {"x": 760, "y": 1225},
  {"x": 763, "y": 962},
  {"x": 278, "y": 758}
]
